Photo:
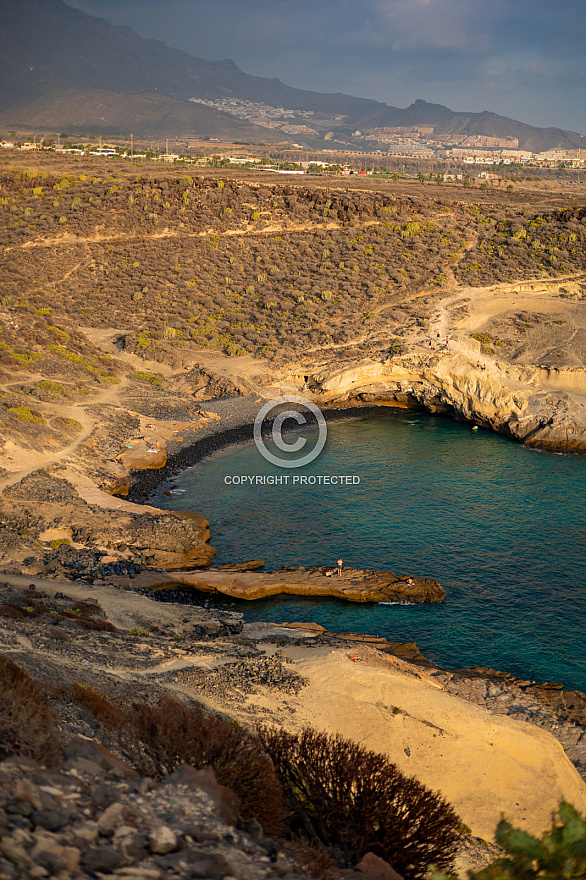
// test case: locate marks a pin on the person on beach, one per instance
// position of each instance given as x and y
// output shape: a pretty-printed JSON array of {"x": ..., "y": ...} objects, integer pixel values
[{"x": 340, "y": 566}]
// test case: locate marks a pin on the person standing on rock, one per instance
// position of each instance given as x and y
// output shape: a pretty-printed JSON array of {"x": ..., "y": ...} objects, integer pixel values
[{"x": 340, "y": 566}]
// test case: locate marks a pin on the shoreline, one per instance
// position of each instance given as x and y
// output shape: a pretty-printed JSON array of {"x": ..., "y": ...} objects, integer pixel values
[
  {"x": 144, "y": 483},
  {"x": 452, "y": 730},
  {"x": 234, "y": 426},
  {"x": 224, "y": 603}
]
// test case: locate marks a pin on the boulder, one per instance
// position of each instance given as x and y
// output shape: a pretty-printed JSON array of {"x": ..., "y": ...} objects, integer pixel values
[{"x": 80, "y": 747}]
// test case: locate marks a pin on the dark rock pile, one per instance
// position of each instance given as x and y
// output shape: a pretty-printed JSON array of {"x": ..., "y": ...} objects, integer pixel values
[
  {"x": 95, "y": 817},
  {"x": 68, "y": 563},
  {"x": 231, "y": 680}
]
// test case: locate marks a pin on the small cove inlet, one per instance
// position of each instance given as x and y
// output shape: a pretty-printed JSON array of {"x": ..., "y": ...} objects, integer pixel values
[{"x": 501, "y": 527}]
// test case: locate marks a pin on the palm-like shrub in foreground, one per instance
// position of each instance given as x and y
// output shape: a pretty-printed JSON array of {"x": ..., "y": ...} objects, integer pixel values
[{"x": 559, "y": 854}]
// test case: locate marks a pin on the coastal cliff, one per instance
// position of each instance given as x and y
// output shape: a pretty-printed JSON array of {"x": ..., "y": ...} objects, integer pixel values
[{"x": 528, "y": 405}]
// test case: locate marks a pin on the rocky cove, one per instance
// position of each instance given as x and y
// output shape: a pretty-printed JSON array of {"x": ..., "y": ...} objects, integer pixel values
[
  {"x": 534, "y": 407},
  {"x": 96, "y": 411}
]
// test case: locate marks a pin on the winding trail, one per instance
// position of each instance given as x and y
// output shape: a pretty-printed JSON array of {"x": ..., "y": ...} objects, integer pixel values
[{"x": 41, "y": 459}]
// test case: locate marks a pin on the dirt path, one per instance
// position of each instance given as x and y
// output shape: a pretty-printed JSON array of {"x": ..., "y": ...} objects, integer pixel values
[
  {"x": 37, "y": 460},
  {"x": 179, "y": 233},
  {"x": 484, "y": 304}
]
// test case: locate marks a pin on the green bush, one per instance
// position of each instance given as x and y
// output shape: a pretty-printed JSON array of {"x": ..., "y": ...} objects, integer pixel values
[
  {"x": 26, "y": 358},
  {"x": 152, "y": 378},
  {"x": 72, "y": 425},
  {"x": 346, "y": 798},
  {"x": 55, "y": 389},
  {"x": 26, "y": 414},
  {"x": 559, "y": 854}
]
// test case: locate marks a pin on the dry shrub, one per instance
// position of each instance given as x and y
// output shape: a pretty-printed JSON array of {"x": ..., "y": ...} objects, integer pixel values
[
  {"x": 88, "y": 609},
  {"x": 157, "y": 739},
  {"x": 347, "y": 798},
  {"x": 97, "y": 625},
  {"x": 27, "y": 721},
  {"x": 12, "y": 611},
  {"x": 100, "y": 706},
  {"x": 309, "y": 859},
  {"x": 58, "y": 634}
]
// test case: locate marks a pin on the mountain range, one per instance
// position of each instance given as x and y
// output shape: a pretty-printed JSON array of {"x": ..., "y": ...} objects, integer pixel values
[{"x": 61, "y": 68}]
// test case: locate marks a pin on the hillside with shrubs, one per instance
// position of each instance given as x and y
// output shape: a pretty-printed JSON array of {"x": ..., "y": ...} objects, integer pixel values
[{"x": 180, "y": 262}]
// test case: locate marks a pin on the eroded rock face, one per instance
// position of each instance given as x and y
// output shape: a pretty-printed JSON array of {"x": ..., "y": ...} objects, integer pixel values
[{"x": 520, "y": 402}]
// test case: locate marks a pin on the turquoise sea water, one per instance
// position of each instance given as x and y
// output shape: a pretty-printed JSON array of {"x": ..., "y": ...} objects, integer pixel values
[{"x": 502, "y": 528}]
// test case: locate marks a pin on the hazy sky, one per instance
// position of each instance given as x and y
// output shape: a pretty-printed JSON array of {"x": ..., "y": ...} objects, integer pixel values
[{"x": 520, "y": 58}]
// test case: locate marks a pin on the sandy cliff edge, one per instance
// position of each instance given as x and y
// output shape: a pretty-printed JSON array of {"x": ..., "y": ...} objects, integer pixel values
[{"x": 483, "y": 764}]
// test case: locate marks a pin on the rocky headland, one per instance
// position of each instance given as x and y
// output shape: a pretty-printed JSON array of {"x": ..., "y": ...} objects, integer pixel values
[{"x": 354, "y": 585}]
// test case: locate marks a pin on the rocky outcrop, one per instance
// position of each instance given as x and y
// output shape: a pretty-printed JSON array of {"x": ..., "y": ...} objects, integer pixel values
[
  {"x": 554, "y": 422},
  {"x": 94, "y": 816},
  {"x": 42, "y": 501},
  {"x": 354, "y": 586}
]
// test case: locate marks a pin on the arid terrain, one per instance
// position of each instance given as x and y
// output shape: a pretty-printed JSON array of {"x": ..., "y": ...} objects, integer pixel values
[
  {"x": 144, "y": 311},
  {"x": 453, "y": 731},
  {"x": 131, "y": 296}
]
